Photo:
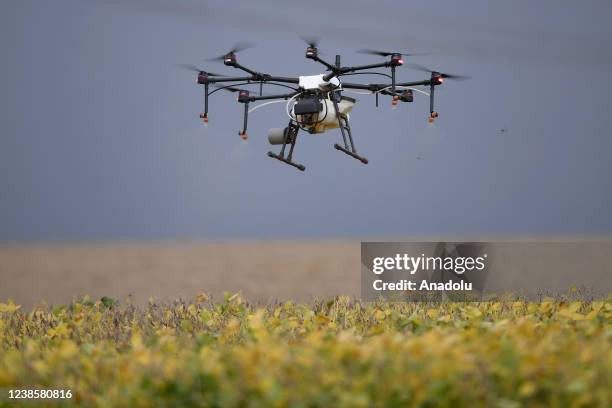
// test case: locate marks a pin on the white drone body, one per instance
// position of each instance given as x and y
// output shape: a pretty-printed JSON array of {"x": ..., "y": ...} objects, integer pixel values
[{"x": 312, "y": 82}]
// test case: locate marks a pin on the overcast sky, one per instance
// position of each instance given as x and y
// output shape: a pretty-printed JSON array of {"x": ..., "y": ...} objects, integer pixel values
[{"x": 100, "y": 136}]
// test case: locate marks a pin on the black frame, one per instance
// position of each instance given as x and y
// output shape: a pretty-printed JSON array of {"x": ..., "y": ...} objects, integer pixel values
[{"x": 335, "y": 70}]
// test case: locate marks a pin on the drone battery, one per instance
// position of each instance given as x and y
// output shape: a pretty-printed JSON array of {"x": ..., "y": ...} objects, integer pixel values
[{"x": 307, "y": 106}]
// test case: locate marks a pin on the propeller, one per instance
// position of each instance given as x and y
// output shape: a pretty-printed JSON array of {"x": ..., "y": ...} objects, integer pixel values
[
  {"x": 312, "y": 42},
  {"x": 387, "y": 53},
  {"x": 191, "y": 67},
  {"x": 240, "y": 46},
  {"x": 443, "y": 75}
]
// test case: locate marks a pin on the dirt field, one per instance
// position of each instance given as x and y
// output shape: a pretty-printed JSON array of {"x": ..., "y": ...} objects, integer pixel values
[
  {"x": 265, "y": 270},
  {"x": 260, "y": 270}
]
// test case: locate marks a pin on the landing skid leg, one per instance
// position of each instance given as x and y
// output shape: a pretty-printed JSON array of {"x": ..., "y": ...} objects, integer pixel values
[
  {"x": 291, "y": 139},
  {"x": 352, "y": 154},
  {"x": 345, "y": 130}
]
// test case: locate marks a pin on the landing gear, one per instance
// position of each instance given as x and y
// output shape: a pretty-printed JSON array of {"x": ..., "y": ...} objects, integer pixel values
[
  {"x": 345, "y": 129},
  {"x": 290, "y": 138},
  {"x": 350, "y": 153}
]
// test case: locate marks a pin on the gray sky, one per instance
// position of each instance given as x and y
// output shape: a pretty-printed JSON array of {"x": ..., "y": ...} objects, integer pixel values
[{"x": 100, "y": 136}]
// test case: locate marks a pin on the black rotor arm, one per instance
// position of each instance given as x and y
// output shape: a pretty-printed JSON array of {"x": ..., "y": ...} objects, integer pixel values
[
  {"x": 327, "y": 64},
  {"x": 338, "y": 71},
  {"x": 379, "y": 87},
  {"x": 258, "y": 77},
  {"x": 390, "y": 89},
  {"x": 268, "y": 97}
]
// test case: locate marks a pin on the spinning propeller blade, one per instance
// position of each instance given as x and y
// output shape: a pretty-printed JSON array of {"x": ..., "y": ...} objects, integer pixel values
[
  {"x": 387, "y": 53},
  {"x": 191, "y": 67},
  {"x": 310, "y": 41},
  {"x": 419, "y": 67},
  {"x": 240, "y": 46}
]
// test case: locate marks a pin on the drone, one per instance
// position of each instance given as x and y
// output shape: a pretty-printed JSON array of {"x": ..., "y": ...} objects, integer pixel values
[{"x": 316, "y": 103}]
